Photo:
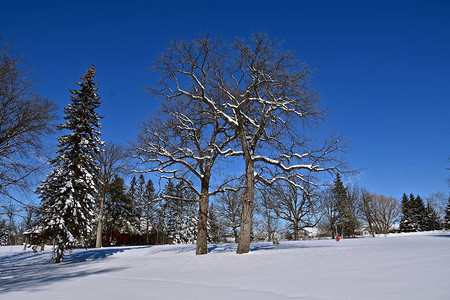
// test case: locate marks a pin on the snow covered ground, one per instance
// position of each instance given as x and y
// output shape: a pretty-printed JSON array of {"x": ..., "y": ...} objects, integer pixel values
[{"x": 395, "y": 267}]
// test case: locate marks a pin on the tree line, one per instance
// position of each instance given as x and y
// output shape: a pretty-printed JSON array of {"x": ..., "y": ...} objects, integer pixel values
[{"x": 246, "y": 102}]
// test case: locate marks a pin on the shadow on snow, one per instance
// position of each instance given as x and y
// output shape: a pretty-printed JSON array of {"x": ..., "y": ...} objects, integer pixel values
[
  {"x": 441, "y": 235},
  {"x": 262, "y": 246},
  {"x": 31, "y": 271}
]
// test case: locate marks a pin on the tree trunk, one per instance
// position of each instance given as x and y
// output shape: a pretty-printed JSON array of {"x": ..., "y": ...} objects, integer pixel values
[
  {"x": 235, "y": 234},
  {"x": 202, "y": 224},
  {"x": 269, "y": 227},
  {"x": 296, "y": 237},
  {"x": 372, "y": 231},
  {"x": 147, "y": 225},
  {"x": 247, "y": 209},
  {"x": 98, "y": 242},
  {"x": 59, "y": 252}
]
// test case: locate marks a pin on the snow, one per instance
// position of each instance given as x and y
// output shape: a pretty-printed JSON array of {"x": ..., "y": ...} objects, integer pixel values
[{"x": 412, "y": 266}]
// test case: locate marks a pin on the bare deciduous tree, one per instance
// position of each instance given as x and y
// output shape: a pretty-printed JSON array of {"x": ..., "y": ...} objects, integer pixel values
[
  {"x": 266, "y": 208},
  {"x": 25, "y": 117},
  {"x": 329, "y": 212},
  {"x": 112, "y": 161},
  {"x": 438, "y": 201},
  {"x": 229, "y": 205},
  {"x": 380, "y": 212},
  {"x": 366, "y": 211},
  {"x": 297, "y": 206},
  {"x": 186, "y": 139},
  {"x": 268, "y": 102},
  {"x": 253, "y": 92}
]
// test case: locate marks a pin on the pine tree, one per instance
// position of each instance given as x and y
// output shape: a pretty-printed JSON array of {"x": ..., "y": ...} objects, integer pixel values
[
  {"x": 4, "y": 233},
  {"x": 68, "y": 193},
  {"x": 180, "y": 213},
  {"x": 418, "y": 213},
  {"x": 119, "y": 210},
  {"x": 432, "y": 221},
  {"x": 214, "y": 227},
  {"x": 149, "y": 209},
  {"x": 132, "y": 189},
  {"x": 190, "y": 215},
  {"x": 447, "y": 216},
  {"x": 140, "y": 201},
  {"x": 406, "y": 222},
  {"x": 169, "y": 210},
  {"x": 346, "y": 220}
]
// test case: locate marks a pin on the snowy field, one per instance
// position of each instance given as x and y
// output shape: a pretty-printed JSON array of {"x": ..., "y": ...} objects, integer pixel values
[{"x": 394, "y": 267}]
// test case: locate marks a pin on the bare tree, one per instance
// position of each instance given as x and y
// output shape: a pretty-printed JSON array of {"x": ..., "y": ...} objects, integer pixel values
[
  {"x": 266, "y": 208},
  {"x": 25, "y": 118},
  {"x": 386, "y": 212},
  {"x": 269, "y": 101},
  {"x": 329, "y": 212},
  {"x": 349, "y": 211},
  {"x": 185, "y": 140},
  {"x": 380, "y": 212},
  {"x": 297, "y": 206},
  {"x": 113, "y": 161},
  {"x": 252, "y": 92},
  {"x": 366, "y": 210},
  {"x": 438, "y": 201},
  {"x": 229, "y": 205}
]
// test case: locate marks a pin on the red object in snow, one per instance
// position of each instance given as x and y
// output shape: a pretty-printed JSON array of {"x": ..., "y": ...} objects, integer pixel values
[{"x": 337, "y": 239}]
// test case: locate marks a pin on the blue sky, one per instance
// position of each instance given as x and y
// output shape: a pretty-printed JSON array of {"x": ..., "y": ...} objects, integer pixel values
[{"x": 382, "y": 68}]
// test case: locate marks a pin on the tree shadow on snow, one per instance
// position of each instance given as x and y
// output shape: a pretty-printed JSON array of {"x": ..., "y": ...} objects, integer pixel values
[
  {"x": 263, "y": 246},
  {"x": 219, "y": 248},
  {"x": 94, "y": 254},
  {"x": 441, "y": 235},
  {"x": 32, "y": 271}
]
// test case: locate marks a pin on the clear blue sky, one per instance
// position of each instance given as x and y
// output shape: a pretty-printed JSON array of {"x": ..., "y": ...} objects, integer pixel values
[{"x": 382, "y": 68}]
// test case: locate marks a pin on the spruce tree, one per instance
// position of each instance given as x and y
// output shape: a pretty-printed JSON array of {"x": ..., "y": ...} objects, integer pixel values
[
  {"x": 214, "y": 228},
  {"x": 346, "y": 220},
  {"x": 432, "y": 221},
  {"x": 68, "y": 193},
  {"x": 419, "y": 213},
  {"x": 447, "y": 216},
  {"x": 149, "y": 209},
  {"x": 132, "y": 189},
  {"x": 406, "y": 222},
  {"x": 190, "y": 216},
  {"x": 169, "y": 210},
  {"x": 4, "y": 233},
  {"x": 180, "y": 213},
  {"x": 119, "y": 210}
]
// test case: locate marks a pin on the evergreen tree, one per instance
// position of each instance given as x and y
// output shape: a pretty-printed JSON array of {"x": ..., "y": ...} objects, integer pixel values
[
  {"x": 415, "y": 216},
  {"x": 136, "y": 193},
  {"x": 180, "y": 213},
  {"x": 418, "y": 213},
  {"x": 447, "y": 216},
  {"x": 4, "y": 233},
  {"x": 132, "y": 193},
  {"x": 140, "y": 201},
  {"x": 68, "y": 193},
  {"x": 134, "y": 197},
  {"x": 149, "y": 209},
  {"x": 215, "y": 231},
  {"x": 119, "y": 210},
  {"x": 346, "y": 220},
  {"x": 432, "y": 221},
  {"x": 169, "y": 210},
  {"x": 406, "y": 222}
]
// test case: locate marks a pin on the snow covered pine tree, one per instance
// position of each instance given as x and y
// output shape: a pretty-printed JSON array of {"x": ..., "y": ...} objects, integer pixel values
[{"x": 67, "y": 194}]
